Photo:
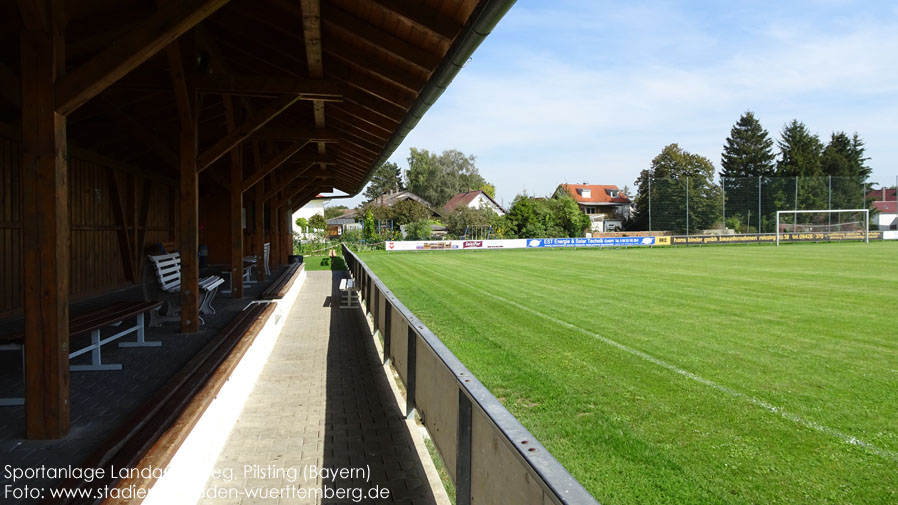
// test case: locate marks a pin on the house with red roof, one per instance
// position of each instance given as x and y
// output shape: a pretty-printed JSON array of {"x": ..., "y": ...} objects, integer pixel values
[
  {"x": 473, "y": 199},
  {"x": 884, "y": 201},
  {"x": 606, "y": 206}
]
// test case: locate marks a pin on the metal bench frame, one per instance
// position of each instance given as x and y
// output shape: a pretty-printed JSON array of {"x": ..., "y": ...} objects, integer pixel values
[
  {"x": 168, "y": 273},
  {"x": 349, "y": 298}
]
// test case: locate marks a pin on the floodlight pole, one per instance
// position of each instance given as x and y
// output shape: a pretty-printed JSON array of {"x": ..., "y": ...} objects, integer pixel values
[{"x": 687, "y": 210}]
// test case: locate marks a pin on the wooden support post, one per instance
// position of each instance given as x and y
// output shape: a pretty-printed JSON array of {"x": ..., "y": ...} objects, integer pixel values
[
  {"x": 275, "y": 251},
  {"x": 236, "y": 224},
  {"x": 46, "y": 231},
  {"x": 259, "y": 228},
  {"x": 189, "y": 218}
]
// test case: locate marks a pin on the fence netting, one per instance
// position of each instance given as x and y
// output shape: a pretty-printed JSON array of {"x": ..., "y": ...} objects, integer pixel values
[{"x": 749, "y": 204}]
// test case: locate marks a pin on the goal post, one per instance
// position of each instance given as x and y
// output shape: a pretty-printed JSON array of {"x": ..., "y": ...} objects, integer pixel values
[{"x": 810, "y": 226}]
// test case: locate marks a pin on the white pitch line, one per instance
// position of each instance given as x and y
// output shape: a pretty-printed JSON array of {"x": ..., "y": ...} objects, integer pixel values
[{"x": 849, "y": 439}]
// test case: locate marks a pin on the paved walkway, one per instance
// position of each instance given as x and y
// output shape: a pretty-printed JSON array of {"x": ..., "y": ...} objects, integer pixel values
[{"x": 322, "y": 402}]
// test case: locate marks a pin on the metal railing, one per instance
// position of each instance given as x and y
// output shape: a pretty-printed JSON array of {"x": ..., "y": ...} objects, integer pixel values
[{"x": 487, "y": 452}]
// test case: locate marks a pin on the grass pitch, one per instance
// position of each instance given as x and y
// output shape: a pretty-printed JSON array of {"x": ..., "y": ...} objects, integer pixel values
[{"x": 683, "y": 375}]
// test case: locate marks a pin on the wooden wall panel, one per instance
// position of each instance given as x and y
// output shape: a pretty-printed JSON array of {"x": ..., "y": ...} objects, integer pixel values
[
  {"x": 10, "y": 227},
  {"x": 96, "y": 258}
]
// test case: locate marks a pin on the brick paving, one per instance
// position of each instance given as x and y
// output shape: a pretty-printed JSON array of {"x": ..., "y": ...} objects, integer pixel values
[
  {"x": 321, "y": 402},
  {"x": 101, "y": 401}
]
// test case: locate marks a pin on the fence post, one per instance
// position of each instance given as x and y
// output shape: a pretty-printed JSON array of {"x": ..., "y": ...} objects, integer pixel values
[
  {"x": 759, "y": 204},
  {"x": 411, "y": 358},
  {"x": 687, "y": 210},
  {"x": 388, "y": 328},
  {"x": 463, "y": 451},
  {"x": 723, "y": 203},
  {"x": 650, "y": 204}
]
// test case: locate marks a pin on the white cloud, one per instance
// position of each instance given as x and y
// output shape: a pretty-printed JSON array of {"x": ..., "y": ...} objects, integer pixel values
[{"x": 536, "y": 116}]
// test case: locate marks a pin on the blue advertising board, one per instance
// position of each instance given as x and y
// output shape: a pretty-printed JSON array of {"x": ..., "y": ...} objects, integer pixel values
[{"x": 590, "y": 242}]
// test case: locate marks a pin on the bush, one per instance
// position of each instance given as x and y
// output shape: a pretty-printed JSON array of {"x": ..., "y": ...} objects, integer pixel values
[{"x": 419, "y": 230}]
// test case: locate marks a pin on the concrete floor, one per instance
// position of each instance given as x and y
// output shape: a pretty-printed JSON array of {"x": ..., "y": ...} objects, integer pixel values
[{"x": 322, "y": 402}]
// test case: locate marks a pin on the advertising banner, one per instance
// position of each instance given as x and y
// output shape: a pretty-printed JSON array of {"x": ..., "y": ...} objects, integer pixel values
[
  {"x": 770, "y": 238},
  {"x": 439, "y": 245},
  {"x": 591, "y": 242}
]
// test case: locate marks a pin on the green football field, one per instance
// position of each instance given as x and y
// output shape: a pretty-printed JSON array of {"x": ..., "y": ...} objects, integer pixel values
[{"x": 737, "y": 374}]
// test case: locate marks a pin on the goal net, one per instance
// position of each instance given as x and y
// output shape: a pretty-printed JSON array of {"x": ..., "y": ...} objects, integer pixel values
[{"x": 829, "y": 224}]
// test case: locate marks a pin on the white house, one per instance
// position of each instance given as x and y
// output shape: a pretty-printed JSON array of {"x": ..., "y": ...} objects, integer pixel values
[
  {"x": 607, "y": 206},
  {"x": 308, "y": 210},
  {"x": 474, "y": 199}
]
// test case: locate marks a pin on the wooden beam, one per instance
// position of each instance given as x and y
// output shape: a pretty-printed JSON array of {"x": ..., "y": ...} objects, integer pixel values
[
  {"x": 10, "y": 87},
  {"x": 309, "y": 134},
  {"x": 274, "y": 257},
  {"x": 259, "y": 206},
  {"x": 45, "y": 232},
  {"x": 138, "y": 130},
  {"x": 183, "y": 97},
  {"x": 231, "y": 84},
  {"x": 142, "y": 227},
  {"x": 395, "y": 75},
  {"x": 272, "y": 164},
  {"x": 258, "y": 120},
  {"x": 121, "y": 221},
  {"x": 134, "y": 48},
  {"x": 423, "y": 17},
  {"x": 35, "y": 15},
  {"x": 303, "y": 198},
  {"x": 306, "y": 172},
  {"x": 236, "y": 197},
  {"x": 360, "y": 30},
  {"x": 189, "y": 229}
]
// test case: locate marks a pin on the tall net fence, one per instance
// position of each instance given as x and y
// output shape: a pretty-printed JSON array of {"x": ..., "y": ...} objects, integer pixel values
[{"x": 749, "y": 204}]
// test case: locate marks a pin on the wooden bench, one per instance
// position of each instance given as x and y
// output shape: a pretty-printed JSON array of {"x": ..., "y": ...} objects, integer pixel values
[
  {"x": 148, "y": 430},
  {"x": 281, "y": 284},
  {"x": 168, "y": 273},
  {"x": 92, "y": 322},
  {"x": 348, "y": 288}
]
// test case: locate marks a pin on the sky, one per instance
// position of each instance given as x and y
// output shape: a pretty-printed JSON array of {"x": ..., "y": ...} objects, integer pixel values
[{"x": 590, "y": 91}]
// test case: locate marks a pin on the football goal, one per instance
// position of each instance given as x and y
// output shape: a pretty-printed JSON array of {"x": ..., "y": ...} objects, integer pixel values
[{"x": 823, "y": 221}]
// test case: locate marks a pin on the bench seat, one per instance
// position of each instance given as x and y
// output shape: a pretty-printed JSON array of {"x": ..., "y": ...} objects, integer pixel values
[
  {"x": 168, "y": 273},
  {"x": 92, "y": 322},
  {"x": 348, "y": 288}
]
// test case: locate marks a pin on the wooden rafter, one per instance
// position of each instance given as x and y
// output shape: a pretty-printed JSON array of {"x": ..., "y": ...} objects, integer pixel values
[
  {"x": 138, "y": 130},
  {"x": 242, "y": 132},
  {"x": 337, "y": 19},
  {"x": 135, "y": 47},
  {"x": 422, "y": 16},
  {"x": 308, "y": 134},
  {"x": 394, "y": 74},
  {"x": 274, "y": 163},
  {"x": 306, "y": 89},
  {"x": 183, "y": 96}
]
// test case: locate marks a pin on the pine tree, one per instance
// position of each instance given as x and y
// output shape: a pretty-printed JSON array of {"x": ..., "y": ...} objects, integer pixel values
[
  {"x": 800, "y": 152},
  {"x": 748, "y": 151},
  {"x": 387, "y": 177}
]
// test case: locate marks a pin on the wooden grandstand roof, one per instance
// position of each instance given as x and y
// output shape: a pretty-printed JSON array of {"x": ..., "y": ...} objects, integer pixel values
[{"x": 320, "y": 89}]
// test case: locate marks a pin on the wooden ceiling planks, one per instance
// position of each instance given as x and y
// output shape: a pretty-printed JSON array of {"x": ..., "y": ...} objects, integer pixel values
[{"x": 379, "y": 54}]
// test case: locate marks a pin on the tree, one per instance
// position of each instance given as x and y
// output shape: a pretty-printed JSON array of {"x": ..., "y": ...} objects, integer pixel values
[
  {"x": 369, "y": 230},
  {"x": 463, "y": 217},
  {"x": 387, "y": 177},
  {"x": 843, "y": 160},
  {"x": 800, "y": 152},
  {"x": 317, "y": 222},
  {"x": 747, "y": 155},
  {"x": 419, "y": 230},
  {"x": 302, "y": 223},
  {"x": 335, "y": 211},
  {"x": 567, "y": 213},
  {"x": 673, "y": 174},
  {"x": 489, "y": 189},
  {"x": 748, "y": 151},
  {"x": 438, "y": 178}
]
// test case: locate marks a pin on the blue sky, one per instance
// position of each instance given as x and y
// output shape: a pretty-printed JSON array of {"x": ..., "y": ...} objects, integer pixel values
[{"x": 591, "y": 91}]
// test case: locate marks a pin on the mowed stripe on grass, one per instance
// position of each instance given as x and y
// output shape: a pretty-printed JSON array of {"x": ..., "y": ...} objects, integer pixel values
[{"x": 807, "y": 329}]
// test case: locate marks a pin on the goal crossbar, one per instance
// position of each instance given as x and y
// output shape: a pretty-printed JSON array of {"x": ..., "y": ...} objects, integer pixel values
[{"x": 866, "y": 213}]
